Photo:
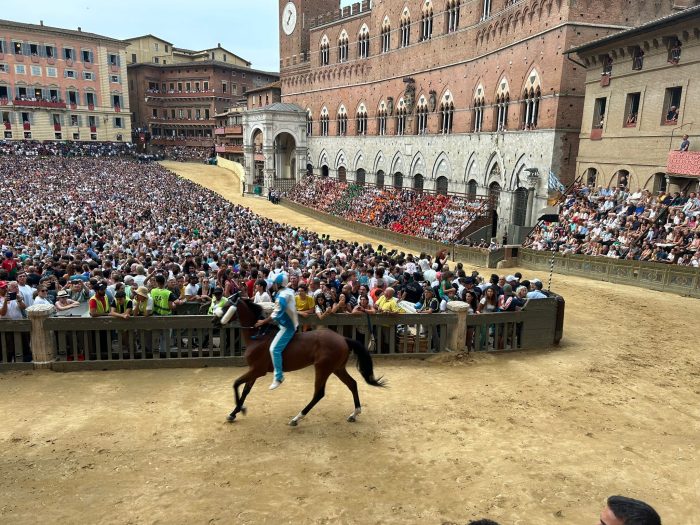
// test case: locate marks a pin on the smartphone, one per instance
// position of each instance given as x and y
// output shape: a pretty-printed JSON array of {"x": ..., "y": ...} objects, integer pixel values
[{"x": 12, "y": 296}]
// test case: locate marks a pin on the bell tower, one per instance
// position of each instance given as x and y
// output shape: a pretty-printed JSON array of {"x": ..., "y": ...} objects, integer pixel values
[{"x": 295, "y": 18}]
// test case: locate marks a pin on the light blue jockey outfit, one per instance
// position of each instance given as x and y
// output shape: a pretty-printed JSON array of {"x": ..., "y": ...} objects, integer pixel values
[{"x": 285, "y": 315}]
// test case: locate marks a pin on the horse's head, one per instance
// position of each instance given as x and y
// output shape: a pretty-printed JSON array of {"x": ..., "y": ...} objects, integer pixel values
[
  {"x": 248, "y": 312},
  {"x": 225, "y": 313}
]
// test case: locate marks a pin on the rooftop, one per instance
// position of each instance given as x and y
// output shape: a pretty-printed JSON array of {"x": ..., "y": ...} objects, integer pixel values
[
  {"x": 654, "y": 24},
  {"x": 58, "y": 30}
]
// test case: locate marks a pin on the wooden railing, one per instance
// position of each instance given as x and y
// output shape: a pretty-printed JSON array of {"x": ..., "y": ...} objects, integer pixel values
[
  {"x": 75, "y": 343},
  {"x": 683, "y": 280}
]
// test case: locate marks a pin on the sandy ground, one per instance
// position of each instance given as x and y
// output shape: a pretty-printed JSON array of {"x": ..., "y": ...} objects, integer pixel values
[{"x": 532, "y": 438}]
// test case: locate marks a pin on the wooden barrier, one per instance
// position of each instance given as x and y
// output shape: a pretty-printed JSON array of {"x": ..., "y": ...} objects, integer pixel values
[
  {"x": 481, "y": 257},
  {"x": 682, "y": 280},
  {"x": 14, "y": 344},
  {"x": 84, "y": 343}
]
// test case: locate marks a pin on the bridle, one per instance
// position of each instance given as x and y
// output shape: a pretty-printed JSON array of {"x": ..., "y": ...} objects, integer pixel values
[{"x": 233, "y": 300}]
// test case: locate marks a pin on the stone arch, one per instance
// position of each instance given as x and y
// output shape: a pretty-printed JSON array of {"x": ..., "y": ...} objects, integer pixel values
[
  {"x": 418, "y": 182},
  {"x": 442, "y": 185},
  {"x": 417, "y": 164},
  {"x": 472, "y": 188},
  {"x": 442, "y": 167},
  {"x": 323, "y": 158},
  {"x": 517, "y": 174},
  {"x": 379, "y": 181},
  {"x": 253, "y": 133},
  {"x": 495, "y": 170},
  {"x": 396, "y": 163},
  {"x": 533, "y": 81},
  {"x": 341, "y": 160},
  {"x": 358, "y": 160},
  {"x": 360, "y": 176},
  {"x": 397, "y": 180},
  {"x": 519, "y": 217},
  {"x": 378, "y": 162},
  {"x": 470, "y": 172}
]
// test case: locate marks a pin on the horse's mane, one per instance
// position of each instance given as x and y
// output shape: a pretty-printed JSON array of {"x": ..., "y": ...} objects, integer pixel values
[{"x": 255, "y": 308}]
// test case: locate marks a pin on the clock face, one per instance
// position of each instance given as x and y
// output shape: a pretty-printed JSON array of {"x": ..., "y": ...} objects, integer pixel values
[{"x": 289, "y": 18}]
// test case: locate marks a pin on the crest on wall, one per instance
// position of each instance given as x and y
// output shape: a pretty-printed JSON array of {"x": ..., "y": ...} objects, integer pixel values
[{"x": 409, "y": 94}]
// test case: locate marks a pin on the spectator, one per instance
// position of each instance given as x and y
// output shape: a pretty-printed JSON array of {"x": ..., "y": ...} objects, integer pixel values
[
  {"x": 621, "y": 510},
  {"x": 685, "y": 144}
]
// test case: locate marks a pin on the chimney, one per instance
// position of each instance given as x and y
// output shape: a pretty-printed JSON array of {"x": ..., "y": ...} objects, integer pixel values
[
  {"x": 79, "y": 30},
  {"x": 219, "y": 44},
  {"x": 41, "y": 23}
]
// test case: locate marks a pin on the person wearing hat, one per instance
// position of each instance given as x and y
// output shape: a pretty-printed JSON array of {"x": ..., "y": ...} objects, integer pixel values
[
  {"x": 142, "y": 303},
  {"x": 64, "y": 302},
  {"x": 285, "y": 316},
  {"x": 217, "y": 301},
  {"x": 98, "y": 304}
]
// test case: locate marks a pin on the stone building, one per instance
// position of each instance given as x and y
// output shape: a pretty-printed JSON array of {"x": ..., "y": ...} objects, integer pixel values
[
  {"x": 62, "y": 84},
  {"x": 640, "y": 85},
  {"x": 176, "y": 93},
  {"x": 473, "y": 97}
]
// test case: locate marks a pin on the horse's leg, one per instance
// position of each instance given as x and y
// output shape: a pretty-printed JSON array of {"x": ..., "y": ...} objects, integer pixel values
[
  {"x": 248, "y": 378},
  {"x": 346, "y": 378},
  {"x": 319, "y": 391}
]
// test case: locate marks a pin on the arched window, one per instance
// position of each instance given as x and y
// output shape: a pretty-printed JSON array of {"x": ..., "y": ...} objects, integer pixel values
[
  {"x": 343, "y": 46},
  {"x": 447, "y": 109},
  {"x": 531, "y": 101},
  {"x": 398, "y": 180},
  {"x": 380, "y": 179},
  {"x": 363, "y": 42},
  {"x": 381, "y": 119},
  {"x": 309, "y": 123},
  {"x": 324, "y": 122},
  {"x": 494, "y": 192},
  {"x": 441, "y": 185},
  {"x": 471, "y": 189},
  {"x": 360, "y": 177},
  {"x": 401, "y": 118},
  {"x": 342, "y": 121},
  {"x": 520, "y": 207},
  {"x": 361, "y": 127},
  {"x": 452, "y": 13},
  {"x": 405, "y": 28},
  {"x": 422, "y": 116},
  {"x": 486, "y": 10},
  {"x": 418, "y": 182},
  {"x": 325, "y": 54},
  {"x": 386, "y": 35},
  {"x": 426, "y": 21},
  {"x": 478, "y": 114},
  {"x": 342, "y": 174},
  {"x": 502, "y": 102}
]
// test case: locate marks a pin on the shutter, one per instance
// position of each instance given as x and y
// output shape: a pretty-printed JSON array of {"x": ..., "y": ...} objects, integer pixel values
[
  {"x": 42, "y": 51},
  {"x": 31, "y": 118},
  {"x": 26, "y": 50},
  {"x": 80, "y": 120},
  {"x": 119, "y": 60},
  {"x": 92, "y": 57}
]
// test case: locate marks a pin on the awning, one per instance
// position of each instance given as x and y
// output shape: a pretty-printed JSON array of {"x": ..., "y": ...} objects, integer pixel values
[{"x": 549, "y": 214}]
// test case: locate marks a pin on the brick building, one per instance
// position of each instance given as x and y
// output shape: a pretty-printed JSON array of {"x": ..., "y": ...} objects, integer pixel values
[
  {"x": 640, "y": 85},
  {"x": 469, "y": 96},
  {"x": 176, "y": 93},
  {"x": 61, "y": 84}
]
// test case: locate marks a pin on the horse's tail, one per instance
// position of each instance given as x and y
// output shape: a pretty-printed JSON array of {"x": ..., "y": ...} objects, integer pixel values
[{"x": 364, "y": 363}]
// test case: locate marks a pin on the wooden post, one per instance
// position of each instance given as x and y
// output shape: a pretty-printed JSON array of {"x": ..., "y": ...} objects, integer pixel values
[
  {"x": 42, "y": 346},
  {"x": 457, "y": 337}
]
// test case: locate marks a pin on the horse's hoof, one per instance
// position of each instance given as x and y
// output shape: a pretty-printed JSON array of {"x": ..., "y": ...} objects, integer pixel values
[
  {"x": 293, "y": 423},
  {"x": 352, "y": 419},
  {"x": 231, "y": 417}
]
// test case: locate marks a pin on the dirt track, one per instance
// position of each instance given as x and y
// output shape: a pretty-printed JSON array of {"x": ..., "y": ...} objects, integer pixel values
[{"x": 525, "y": 439}]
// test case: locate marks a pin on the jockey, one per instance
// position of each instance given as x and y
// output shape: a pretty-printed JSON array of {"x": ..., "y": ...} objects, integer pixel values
[{"x": 285, "y": 316}]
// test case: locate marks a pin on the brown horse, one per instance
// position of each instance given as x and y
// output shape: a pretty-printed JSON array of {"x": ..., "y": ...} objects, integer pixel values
[{"x": 327, "y": 350}]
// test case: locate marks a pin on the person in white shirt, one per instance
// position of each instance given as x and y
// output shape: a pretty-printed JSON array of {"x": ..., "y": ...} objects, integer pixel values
[
  {"x": 42, "y": 296},
  {"x": 26, "y": 290},
  {"x": 261, "y": 295}
]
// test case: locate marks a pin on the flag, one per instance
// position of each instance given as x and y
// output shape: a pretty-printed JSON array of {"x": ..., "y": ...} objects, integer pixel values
[{"x": 554, "y": 183}]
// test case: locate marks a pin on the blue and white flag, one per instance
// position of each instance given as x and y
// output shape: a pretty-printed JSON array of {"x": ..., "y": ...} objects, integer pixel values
[{"x": 554, "y": 183}]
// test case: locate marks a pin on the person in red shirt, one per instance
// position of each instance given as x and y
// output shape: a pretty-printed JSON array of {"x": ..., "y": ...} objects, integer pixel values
[{"x": 9, "y": 264}]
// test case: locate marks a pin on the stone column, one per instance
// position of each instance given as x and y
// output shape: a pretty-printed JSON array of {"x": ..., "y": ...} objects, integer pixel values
[
  {"x": 457, "y": 336},
  {"x": 42, "y": 345}
]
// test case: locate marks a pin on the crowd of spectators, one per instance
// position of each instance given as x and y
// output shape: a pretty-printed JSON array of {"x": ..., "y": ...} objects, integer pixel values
[
  {"x": 621, "y": 224},
  {"x": 406, "y": 211},
  {"x": 188, "y": 153},
  {"x": 118, "y": 235},
  {"x": 65, "y": 148}
]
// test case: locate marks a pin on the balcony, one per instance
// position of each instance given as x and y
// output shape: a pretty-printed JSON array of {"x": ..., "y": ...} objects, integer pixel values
[
  {"x": 230, "y": 130},
  {"x": 597, "y": 134},
  {"x": 683, "y": 163},
  {"x": 234, "y": 148},
  {"x": 185, "y": 94},
  {"x": 187, "y": 121},
  {"x": 39, "y": 104}
]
